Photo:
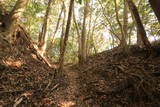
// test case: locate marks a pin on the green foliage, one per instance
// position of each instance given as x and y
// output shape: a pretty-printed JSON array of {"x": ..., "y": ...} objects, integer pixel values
[
  {"x": 99, "y": 30},
  {"x": 79, "y": 1}
]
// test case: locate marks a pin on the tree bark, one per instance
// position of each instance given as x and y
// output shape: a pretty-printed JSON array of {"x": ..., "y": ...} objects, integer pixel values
[
  {"x": 61, "y": 59},
  {"x": 79, "y": 36},
  {"x": 43, "y": 37},
  {"x": 83, "y": 35},
  {"x": 89, "y": 31},
  {"x": 63, "y": 32},
  {"x": 92, "y": 44},
  {"x": 139, "y": 41},
  {"x": 125, "y": 20},
  {"x": 57, "y": 25},
  {"x": 155, "y": 4},
  {"x": 14, "y": 17},
  {"x": 123, "y": 42},
  {"x": 140, "y": 27}
]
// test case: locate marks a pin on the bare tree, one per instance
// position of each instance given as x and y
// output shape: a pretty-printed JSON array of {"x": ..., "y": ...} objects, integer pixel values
[{"x": 61, "y": 59}]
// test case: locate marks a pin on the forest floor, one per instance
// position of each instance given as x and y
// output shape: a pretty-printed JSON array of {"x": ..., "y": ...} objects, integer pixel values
[
  {"x": 107, "y": 79},
  {"x": 71, "y": 95},
  {"x": 113, "y": 79}
]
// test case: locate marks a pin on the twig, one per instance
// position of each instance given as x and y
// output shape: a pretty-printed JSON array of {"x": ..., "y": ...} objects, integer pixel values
[
  {"x": 56, "y": 86},
  {"x": 18, "y": 101}
]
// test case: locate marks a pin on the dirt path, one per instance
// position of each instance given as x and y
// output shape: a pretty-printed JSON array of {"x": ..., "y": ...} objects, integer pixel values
[
  {"x": 75, "y": 93},
  {"x": 70, "y": 96}
]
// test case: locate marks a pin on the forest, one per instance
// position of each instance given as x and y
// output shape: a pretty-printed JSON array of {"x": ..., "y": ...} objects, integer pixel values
[{"x": 79, "y": 53}]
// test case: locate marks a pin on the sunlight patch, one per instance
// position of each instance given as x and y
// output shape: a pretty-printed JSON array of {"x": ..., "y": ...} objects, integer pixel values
[
  {"x": 66, "y": 104},
  {"x": 16, "y": 63}
]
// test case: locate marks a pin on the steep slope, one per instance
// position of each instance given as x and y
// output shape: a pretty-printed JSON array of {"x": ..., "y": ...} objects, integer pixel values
[
  {"x": 112, "y": 78},
  {"x": 25, "y": 80}
]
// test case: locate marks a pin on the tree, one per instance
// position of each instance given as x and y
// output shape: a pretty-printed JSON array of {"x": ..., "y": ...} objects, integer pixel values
[
  {"x": 155, "y": 4},
  {"x": 83, "y": 34},
  {"x": 140, "y": 27},
  {"x": 125, "y": 21},
  {"x": 61, "y": 59},
  {"x": 58, "y": 23},
  {"x": 43, "y": 37},
  {"x": 14, "y": 17},
  {"x": 79, "y": 36},
  {"x": 123, "y": 42},
  {"x": 112, "y": 29},
  {"x": 63, "y": 30}
]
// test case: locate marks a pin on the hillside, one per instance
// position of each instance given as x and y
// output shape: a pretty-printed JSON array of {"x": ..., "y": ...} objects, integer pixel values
[
  {"x": 112, "y": 78},
  {"x": 107, "y": 79},
  {"x": 23, "y": 73},
  {"x": 79, "y": 53}
]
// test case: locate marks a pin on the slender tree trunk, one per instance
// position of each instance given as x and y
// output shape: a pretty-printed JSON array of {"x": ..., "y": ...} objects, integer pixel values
[
  {"x": 155, "y": 4},
  {"x": 125, "y": 20},
  {"x": 113, "y": 41},
  {"x": 130, "y": 35},
  {"x": 139, "y": 41},
  {"x": 43, "y": 37},
  {"x": 59, "y": 18},
  {"x": 92, "y": 44},
  {"x": 63, "y": 32},
  {"x": 61, "y": 60},
  {"x": 83, "y": 35},
  {"x": 123, "y": 39},
  {"x": 88, "y": 33},
  {"x": 79, "y": 36},
  {"x": 57, "y": 25},
  {"x": 140, "y": 27}
]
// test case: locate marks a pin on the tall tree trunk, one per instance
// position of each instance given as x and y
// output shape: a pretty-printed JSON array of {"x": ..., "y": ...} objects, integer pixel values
[
  {"x": 92, "y": 44},
  {"x": 155, "y": 4},
  {"x": 139, "y": 40},
  {"x": 61, "y": 60},
  {"x": 57, "y": 25},
  {"x": 88, "y": 33},
  {"x": 125, "y": 20},
  {"x": 14, "y": 17},
  {"x": 79, "y": 35},
  {"x": 140, "y": 27},
  {"x": 123, "y": 42},
  {"x": 43, "y": 37},
  {"x": 63, "y": 32},
  {"x": 83, "y": 35}
]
